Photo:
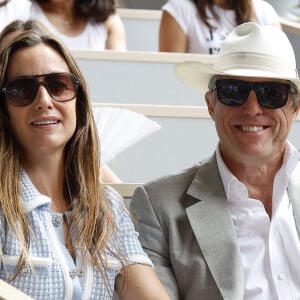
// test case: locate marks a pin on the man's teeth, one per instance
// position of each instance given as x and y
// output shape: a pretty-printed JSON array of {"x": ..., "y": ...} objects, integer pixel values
[
  {"x": 45, "y": 122},
  {"x": 252, "y": 128}
]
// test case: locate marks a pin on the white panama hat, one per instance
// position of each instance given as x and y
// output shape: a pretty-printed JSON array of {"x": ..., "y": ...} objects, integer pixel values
[{"x": 250, "y": 50}]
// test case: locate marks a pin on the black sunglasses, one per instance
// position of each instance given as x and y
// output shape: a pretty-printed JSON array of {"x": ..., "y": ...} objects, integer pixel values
[
  {"x": 22, "y": 91},
  {"x": 234, "y": 92}
]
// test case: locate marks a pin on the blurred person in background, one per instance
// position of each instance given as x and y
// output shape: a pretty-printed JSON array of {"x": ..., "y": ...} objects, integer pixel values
[
  {"x": 200, "y": 26},
  {"x": 80, "y": 24}
]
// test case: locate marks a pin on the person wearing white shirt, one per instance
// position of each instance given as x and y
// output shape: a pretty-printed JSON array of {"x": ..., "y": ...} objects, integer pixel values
[
  {"x": 11, "y": 10},
  {"x": 79, "y": 24},
  {"x": 228, "y": 228},
  {"x": 200, "y": 26}
]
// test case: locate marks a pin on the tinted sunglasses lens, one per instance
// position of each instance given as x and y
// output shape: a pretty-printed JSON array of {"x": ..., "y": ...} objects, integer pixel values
[
  {"x": 272, "y": 94},
  {"x": 61, "y": 87},
  {"x": 231, "y": 92},
  {"x": 269, "y": 94},
  {"x": 21, "y": 91}
]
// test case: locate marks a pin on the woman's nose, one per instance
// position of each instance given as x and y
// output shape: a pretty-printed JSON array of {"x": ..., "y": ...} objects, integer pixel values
[{"x": 43, "y": 99}]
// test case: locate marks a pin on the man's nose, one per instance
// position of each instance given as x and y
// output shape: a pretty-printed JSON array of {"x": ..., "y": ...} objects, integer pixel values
[{"x": 252, "y": 106}]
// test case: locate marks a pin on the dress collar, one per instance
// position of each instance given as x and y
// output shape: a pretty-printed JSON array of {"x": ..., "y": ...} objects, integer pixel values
[{"x": 30, "y": 196}]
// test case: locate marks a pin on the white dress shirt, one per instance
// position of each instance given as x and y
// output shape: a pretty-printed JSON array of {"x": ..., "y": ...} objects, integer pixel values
[{"x": 270, "y": 249}]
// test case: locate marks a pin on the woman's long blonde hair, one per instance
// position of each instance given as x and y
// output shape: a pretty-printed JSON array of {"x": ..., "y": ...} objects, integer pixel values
[{"x": 91, "y": 220}]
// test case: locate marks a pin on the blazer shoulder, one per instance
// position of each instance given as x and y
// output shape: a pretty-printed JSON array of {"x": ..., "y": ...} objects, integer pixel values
[
  {"x": 176, "y": 182},
  {"x": 182, "y": 176}
]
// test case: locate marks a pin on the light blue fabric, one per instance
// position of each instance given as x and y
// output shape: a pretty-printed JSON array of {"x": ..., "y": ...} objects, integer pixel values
[{"x": 55, "y": 275}]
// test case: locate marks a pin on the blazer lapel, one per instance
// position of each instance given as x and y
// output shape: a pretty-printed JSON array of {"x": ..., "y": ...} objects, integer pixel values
[{"x": 212, "y": 225}]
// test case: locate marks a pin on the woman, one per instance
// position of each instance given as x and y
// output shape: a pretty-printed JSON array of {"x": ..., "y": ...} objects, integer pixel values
[
  {"x": 80, "y": 24},
  {"x": 15, "y": 28},
  {"x": 62, "y": 234},
  {"x": 200, "y": 26}
]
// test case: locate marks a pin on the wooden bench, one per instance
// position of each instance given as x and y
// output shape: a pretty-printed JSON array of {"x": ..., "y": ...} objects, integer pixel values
[
  {"x": 126, "y": 190},
  {"x": 290, "y": 26},
  {"x": 142, "y": 28}
]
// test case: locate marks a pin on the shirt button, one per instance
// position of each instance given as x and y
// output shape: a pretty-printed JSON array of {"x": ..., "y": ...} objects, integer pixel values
[
  {"x": 281, "y": 276},
  {"x": 255, "y": 210},
  {"x": 25, "y": 269},
  {"x": 57, "y": 220},
  {"x": 77, "y": 272}
]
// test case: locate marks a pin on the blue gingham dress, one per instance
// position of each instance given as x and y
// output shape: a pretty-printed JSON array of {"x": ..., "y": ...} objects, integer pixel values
[{"x": 53, "y": 274}]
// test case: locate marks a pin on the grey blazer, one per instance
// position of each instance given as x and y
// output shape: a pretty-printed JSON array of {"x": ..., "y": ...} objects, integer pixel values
[{"x": 186, "y": 228}]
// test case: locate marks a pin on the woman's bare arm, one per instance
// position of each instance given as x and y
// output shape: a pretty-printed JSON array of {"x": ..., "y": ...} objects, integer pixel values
[
  {"x": 116, "y": 35},
  {"x": 142, "y": 283},
  {"x": 171, "y": 36}
]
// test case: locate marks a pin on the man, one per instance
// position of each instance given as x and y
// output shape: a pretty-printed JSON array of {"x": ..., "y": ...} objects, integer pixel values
[{"x": 228, "y": 227}]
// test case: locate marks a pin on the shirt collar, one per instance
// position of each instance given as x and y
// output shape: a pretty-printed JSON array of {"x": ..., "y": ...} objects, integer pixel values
[
  {"x": 291, "y": 157},
  {"x": 226, "y": 176}
]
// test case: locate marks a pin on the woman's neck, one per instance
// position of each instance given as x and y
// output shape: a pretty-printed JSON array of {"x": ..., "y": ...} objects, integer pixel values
[
  {"x": 63, "y": 8},
  {"x": 63, "y": 17},
  {"x": 48, "y": 176}
]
